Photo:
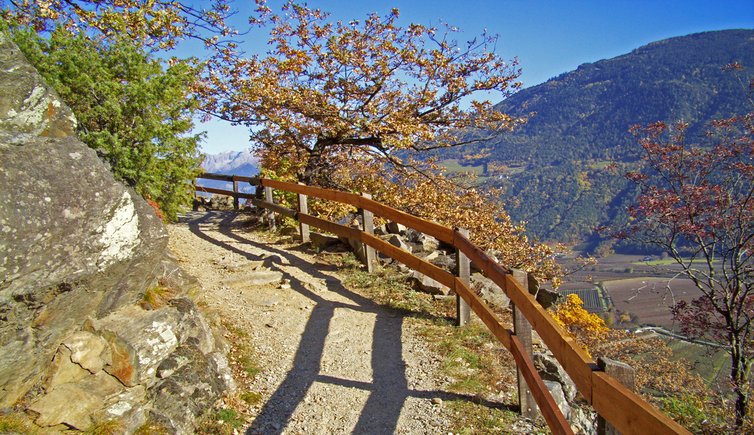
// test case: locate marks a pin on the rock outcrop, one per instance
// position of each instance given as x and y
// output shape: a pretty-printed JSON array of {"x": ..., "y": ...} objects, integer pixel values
[{"x": 79, "y": 253}]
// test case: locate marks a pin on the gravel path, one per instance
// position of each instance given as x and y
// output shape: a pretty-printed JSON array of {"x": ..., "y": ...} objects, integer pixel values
[{"x": 332, "y": 361}]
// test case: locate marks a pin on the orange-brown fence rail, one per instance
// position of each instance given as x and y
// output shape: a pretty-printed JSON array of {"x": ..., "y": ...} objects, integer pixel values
[
  {"x": 622, "y": 408},
  {"x": 235, "y": 179}
]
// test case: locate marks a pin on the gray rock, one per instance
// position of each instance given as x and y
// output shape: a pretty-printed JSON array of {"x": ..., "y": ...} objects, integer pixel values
[
  {"x": 398, "y": 241},
  {"x": 322, "y": 241},
  {"x": 426, "y": 284},
  {"x": 78, "y": 250},
  {"x": 550, "y": 370},
  {"x": 544, "y": 296},
  {"x": 395, "y": 228},
  {"x": 583, "y": 421},
  {"x": 425, "y": 242},
  {"x": 556, "y": 390},
  {"x": 191, "y": 389},
  {"x": 27, "y": 105},
  {"x": 140, "y": 342},
  {"x": 447, "y": 262},
  {"x": 489, "y": 291}
]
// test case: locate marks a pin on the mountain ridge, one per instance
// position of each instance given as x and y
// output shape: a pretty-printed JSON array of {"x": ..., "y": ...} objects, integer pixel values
[
  {"x": 230, "y": 163},
  {"x": 552, "y": 167}
]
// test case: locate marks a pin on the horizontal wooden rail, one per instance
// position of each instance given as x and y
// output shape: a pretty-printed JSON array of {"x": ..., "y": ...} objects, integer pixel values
[
  {"x": 224, "y": 177},
  {"x": 430, "y": 228},
  {"x": 235, "y": 179},
  {"x": 623, "y": 408},
  {"x": 287, "y": 212},
  {"x": 224, "y": 192}
]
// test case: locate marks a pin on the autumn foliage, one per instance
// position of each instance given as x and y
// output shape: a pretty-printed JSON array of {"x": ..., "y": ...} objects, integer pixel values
[
  {"x": 329, "y": 92},
  {"x": 697, "y": 204},
  {"x": 356, "y": 105},
  {"x": 587, "y": 327},
  {"x": 154, "y": 23}
]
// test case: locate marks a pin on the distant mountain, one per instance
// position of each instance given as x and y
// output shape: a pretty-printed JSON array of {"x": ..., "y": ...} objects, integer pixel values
[
  {"x": 230, "y": 163},
  {"x": 553, "y": 167}
]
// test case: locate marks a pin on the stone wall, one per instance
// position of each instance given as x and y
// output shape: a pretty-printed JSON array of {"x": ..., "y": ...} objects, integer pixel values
[{"x": 78, "y": 251}]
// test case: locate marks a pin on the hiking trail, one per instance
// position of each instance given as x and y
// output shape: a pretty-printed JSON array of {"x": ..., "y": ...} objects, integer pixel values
[{"x": 331, "y": 361}]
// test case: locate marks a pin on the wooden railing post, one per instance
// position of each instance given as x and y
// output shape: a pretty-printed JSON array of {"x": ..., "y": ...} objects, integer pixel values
[
  {"x": 303, "y": 207},
  {"x": 235, "y": 194},
  {"x": 270, "y": 214},
  {"x": 463, "y": 310},
  {"x": 367, "y": 222},
  {"x": 522, "y": 330},
  {"x": 624, "y": 374}
]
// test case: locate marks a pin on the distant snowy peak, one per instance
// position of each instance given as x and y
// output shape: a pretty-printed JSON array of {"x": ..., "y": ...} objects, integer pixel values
[{"x": 231, "y": 162}]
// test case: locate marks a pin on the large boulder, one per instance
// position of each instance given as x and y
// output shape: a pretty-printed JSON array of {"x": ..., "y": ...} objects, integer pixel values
[{"x": 78, "y": 252}]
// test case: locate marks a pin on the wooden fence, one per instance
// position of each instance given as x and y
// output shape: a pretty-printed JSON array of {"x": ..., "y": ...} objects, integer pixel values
[{"x": 618, "y": 405}]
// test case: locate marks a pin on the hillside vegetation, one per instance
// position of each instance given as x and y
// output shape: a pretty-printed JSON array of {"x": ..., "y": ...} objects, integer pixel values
[{"x": 553, "y": 168}]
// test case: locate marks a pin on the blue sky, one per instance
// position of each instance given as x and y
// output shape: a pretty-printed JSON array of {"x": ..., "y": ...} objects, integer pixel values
[{"x": 547, "y": 37}]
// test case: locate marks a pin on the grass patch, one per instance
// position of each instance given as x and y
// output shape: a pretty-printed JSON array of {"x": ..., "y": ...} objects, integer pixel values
[
  {"x": 471, "y": 356},
  {"x": 17, "y": 423},
  {"x": 243, "y": 353},
  {"x": 454, "y": 166},
  {"x": 472, "y": 418},
  {"x": 152, "y": 428},
  {"x": 107, "y": 427},
  {"x": 389, "y": 288},
  {"x": 696, "y": 414},
  {"x": 156, "y": 297},
  {"x": 710, "y": 364},
  {"x": 224, "y": 421},
  {"x": 671, "y": 262},
  {"x": 229, "y": 417},
  {"x": 251, "y": 398}
]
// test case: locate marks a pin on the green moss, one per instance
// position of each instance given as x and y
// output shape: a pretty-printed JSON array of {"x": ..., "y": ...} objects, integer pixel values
[{"x": 251, "y": 398}]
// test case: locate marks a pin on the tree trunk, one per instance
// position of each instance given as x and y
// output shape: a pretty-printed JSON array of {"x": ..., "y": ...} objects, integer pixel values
[
  {"x": 739, "y": 376},
  {"x": 318, "y": 171},
  {"x": 313, "y": 168}
]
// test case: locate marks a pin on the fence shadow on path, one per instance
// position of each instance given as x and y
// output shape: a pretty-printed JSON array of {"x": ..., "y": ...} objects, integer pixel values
[{"x": 388, "y": 391}]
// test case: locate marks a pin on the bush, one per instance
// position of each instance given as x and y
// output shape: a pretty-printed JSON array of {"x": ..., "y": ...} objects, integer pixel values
[{"x": 134, "y": 112}]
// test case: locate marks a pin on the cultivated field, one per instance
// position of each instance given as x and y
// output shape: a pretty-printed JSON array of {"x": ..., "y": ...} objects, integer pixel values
[
  {"x": 634, "y": 291},
  {"x": 647, "y": 300}
]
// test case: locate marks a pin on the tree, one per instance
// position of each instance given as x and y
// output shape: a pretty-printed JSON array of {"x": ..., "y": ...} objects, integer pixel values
[
  {"x": 355, "y": 106},
  {"x": 152, "y": 23},
  {"x": 697, "y": 204},
  {"x": 367, "y": 89},
  {"x": 136, "y": 114}
]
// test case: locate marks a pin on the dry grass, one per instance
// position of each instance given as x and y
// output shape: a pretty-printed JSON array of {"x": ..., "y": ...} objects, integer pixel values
[
  {"x": 157, "y": 297},
  {"x": 17, "y": 423}
]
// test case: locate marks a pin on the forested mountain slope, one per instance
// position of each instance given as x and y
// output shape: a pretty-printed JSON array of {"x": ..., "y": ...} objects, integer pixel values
[{"x": 553, "y": 167}]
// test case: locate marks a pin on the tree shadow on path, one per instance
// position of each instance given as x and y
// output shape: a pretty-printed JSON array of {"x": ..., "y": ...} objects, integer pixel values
[{"x": 388, "y": 390}]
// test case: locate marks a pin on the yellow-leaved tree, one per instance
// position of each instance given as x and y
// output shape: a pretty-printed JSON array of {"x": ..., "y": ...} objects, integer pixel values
[{"x": 357, "y": 106}]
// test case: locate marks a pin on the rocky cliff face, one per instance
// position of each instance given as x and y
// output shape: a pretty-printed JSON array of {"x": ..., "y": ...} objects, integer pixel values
[{"x": 78, "y": 253}]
